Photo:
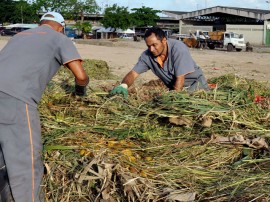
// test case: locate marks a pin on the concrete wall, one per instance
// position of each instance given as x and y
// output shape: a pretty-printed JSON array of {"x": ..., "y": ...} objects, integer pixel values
[{"x": 252, "y": 33}]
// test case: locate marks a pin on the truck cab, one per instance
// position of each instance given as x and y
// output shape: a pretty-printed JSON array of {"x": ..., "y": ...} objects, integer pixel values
[{"x": 234, "y": 41}]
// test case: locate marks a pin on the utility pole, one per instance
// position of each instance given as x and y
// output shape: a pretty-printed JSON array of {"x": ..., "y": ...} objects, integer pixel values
[{"x": 22, "y": 14}]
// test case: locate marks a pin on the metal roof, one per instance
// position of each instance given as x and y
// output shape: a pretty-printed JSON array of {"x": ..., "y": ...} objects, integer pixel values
[
  {"x": 259, "y": 11},
  {"x": 176, "y": 12},
  {"x": 258, "y": 14}
]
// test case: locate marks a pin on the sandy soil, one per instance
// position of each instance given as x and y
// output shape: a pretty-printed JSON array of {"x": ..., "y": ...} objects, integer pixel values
[{"x": 121, "y": 56}]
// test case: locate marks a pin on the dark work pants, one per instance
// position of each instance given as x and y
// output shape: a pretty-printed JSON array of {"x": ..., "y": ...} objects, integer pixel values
[
  {"x": 5, "y": 193},
  {"x": 20, "y": 139},
  {"x": 193, "y": 84}
]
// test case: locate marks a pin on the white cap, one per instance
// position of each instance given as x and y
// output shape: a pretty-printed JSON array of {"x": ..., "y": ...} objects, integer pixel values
[{"x": 57, "y": 17}]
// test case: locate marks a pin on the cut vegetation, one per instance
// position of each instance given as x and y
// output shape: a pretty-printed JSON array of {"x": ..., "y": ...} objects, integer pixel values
[{"x": 157, "y": 145}]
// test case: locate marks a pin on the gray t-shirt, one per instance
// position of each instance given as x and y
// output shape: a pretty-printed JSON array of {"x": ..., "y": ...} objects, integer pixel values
[
  {"x": 30, "y": 59},
  {"x": 179, "y": 62}
]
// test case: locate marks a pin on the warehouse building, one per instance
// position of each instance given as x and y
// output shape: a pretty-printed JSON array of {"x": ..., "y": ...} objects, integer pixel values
[{"x": 254, "y": 24}]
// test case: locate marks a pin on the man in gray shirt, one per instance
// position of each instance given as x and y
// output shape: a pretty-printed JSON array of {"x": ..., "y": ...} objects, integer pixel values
[
  {"x": 168, "y": 59},
  {"x": 27, "y": 63}
]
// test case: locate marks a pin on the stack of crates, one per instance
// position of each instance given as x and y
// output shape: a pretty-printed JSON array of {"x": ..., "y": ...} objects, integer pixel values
[{"x": 5, "y": 194}]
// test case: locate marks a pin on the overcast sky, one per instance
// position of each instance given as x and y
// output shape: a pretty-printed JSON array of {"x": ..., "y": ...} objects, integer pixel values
[{"x": 186, "y": 5}]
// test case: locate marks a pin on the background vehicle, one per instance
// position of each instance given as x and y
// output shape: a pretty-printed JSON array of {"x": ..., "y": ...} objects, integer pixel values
[
  {"x": 126, "y": 36},
  {"x": 12, "y": 31},
  {"x": 70, "y": 33},
  {"x": 229, "y": 40},
  {"x": 180, "y": 37},
  {"x": 218, "y": 39}
]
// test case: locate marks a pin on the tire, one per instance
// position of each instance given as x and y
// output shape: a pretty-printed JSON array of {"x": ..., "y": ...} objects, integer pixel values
[
  {"x": 211, "y": 46},
  {"x": 230, "y": 48},
  {"x": 238, "y": 49}
]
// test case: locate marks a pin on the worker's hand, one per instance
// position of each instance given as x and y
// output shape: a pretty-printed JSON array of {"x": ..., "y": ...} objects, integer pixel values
[
  {"x": 121, "y": 89},
  {"x": 80, "y": 90}
]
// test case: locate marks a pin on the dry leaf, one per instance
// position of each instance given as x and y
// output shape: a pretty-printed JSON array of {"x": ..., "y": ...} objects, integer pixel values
[
  {"x": 180, "y": 120},
  {"x": 207, "y": 122}
]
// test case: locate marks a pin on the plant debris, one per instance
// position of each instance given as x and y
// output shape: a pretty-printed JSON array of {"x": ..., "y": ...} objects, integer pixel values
[{"x": 157, "y": 145}]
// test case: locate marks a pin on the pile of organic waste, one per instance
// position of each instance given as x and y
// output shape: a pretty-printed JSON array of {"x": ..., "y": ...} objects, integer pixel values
[{"x": 156, "y": 145}]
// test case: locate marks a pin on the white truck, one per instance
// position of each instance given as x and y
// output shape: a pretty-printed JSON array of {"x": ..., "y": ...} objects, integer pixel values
[{"x": 227, "y": 40}]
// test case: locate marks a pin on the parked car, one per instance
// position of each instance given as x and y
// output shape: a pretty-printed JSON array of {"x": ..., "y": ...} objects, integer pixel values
[
  {"x": 8, "y": 32},
  {"x": 12, "y": 31},
  {"x": 126, "y": 36}
]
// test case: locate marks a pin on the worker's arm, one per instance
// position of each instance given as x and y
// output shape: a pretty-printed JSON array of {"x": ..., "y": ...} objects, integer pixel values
[
  {"x": 126, "y": 82},
  {"x": 81, "y": 78},
  {"x": 179, "y": 83},
  {"x": 130, "y": 78}
]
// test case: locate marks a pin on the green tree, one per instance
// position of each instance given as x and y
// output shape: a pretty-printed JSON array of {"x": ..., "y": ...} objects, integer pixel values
[
  {"x": 78, "y": 9},
  {"x": 144, "y": 16},
  {"x": 70, "y": 9},
  {"x": 18, "y": 11},
  {"x": 7, "y": 8},
  {"x": 83, "y": 28},
  {"x": 116, "y": 17},
  {"x": 25, "y": 12},
  {"x": 50, "y": 5}
]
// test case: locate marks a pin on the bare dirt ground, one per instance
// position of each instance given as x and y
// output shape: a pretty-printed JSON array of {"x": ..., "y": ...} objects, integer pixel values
[{"x": 122, "y": 55}]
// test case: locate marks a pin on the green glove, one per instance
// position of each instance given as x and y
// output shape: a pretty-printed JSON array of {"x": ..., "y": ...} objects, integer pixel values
[{"x": 121, "y": 89}]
